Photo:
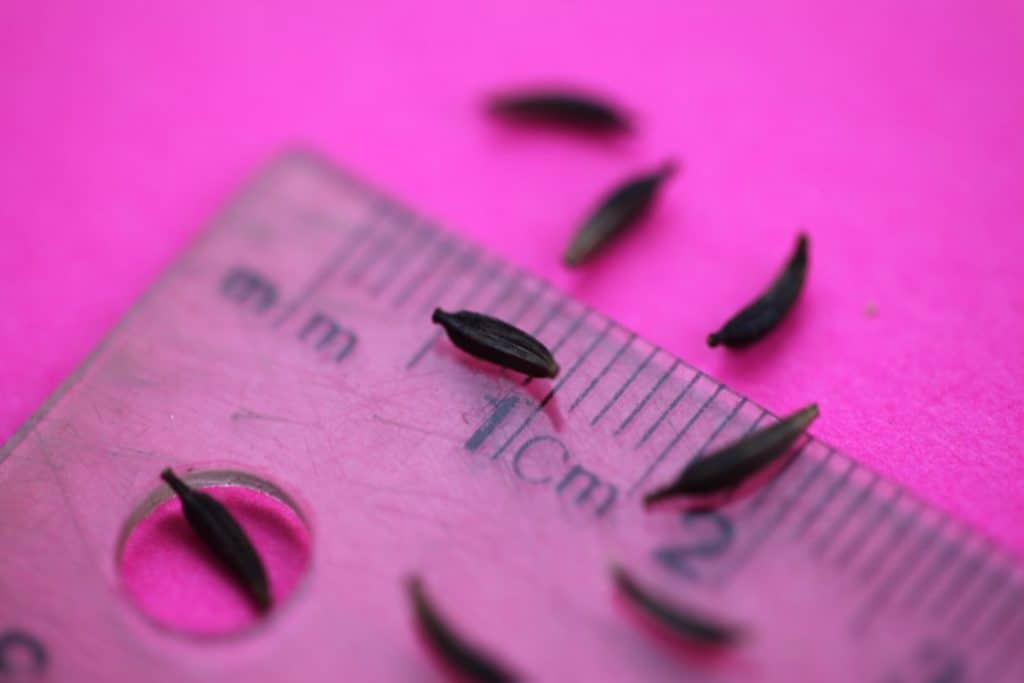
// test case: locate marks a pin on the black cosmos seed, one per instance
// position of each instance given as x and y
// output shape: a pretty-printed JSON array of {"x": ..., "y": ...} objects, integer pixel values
[
  {"x": 761, "y": 316},
  {"x": 217, "y": 527},
  {"x": 495, "y": 341},
  {"x": 464, "y": 658},
  {"x": 620, "y": 209},
  {"x": 574, "y": 110},
  {"x": 686, "y": 624},
  {"x": 732, "y": 465}
]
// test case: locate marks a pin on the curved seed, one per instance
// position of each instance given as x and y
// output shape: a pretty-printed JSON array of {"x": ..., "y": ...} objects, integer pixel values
[
  {"x": 218, "y": 528},
  {"x": 761, "y": 316},
  {"x": 684, "y": 623},
  {"x": 620, "y": 209},
  {"x": 493, "y": 340},
  {"x": 463, "y": 657},
  {"x": 727, "y": 468},
  {"x": 564, "y": 108}
]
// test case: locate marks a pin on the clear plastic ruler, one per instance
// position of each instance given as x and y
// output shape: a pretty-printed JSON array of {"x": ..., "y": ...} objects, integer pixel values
[{"x": 292, "y": 343}]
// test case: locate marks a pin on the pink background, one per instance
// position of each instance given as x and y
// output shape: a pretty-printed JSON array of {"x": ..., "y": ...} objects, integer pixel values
[{"x": 892, "y": 132}]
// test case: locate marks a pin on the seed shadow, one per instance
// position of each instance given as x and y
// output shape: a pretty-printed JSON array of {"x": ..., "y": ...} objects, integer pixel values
[{"x": 690, "y": 654}]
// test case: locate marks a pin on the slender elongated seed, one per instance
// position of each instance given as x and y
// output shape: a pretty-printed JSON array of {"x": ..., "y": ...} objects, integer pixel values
[
  {"x": 466, "y": 659},
  {"x": 617, "y": 211},
  {"x": 560, "y": 107},
  {"x": 732, "y": 465},
  {"x": 684, "y": 623},
  {"x": 493, "y": 340},
  {"x": 762, "y": 315},
  {"x": 217, "y": 527}
]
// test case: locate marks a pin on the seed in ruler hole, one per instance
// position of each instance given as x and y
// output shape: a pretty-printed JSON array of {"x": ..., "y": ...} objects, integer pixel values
[
  {"x": 565, "y": 108},
  {"x": 468, "y": 661},
  {"x": 762, "y": 315},
  {"x": 684, "y": 623},
  {"x": 732, "y": 465},
  {"x": 495, "y": 341},
  {"x": 209, "y": 553},
  {"x": 620, "y": 209}
]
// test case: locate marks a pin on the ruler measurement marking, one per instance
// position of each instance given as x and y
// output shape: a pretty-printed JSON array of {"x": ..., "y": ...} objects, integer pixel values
[
  {"x": 379, "y": 247},
  {"x": 718, "y": 430},
  {"x": 997, "y": 582},
  {"x": 1002, "y": 619},
  {"x": 814, "y": 514},
  {"x": 565, "y": 378},
  {"x": 957, "y": 586},
  {"x": 900, "y": 530},
  {"x": 665, "y": 413},
  {"x": 604, "y": 371},
  {"x": 529, "y": 302},
  {"x": 781, "y": 512},
  {"x": 1002, "y": 654},
  {"x": 824, "y": 542},
  {"x": 880, "y": 599},
  {"x": 330, "y": 266},
  {"x": 552, "y": 313},
  {"x": 618, "y": 393},
  {"x": 444, "y": 249},
  {"x": 676, "y": 439},
  {"x": 466, "y": 300},
  {"x": 764, "y": 493},
  {"x": 848, "y": 554},
  {"x": 946, "y": 559},
  {"x": 647, "y": 397},
  {"x": 566, "y": 335},
  {"x": 421, "y": 236},
  {"x": 455, "y": 276}
]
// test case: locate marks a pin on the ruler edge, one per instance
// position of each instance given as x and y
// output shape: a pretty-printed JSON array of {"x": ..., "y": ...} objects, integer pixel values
[{"x": 303, "y": 154}]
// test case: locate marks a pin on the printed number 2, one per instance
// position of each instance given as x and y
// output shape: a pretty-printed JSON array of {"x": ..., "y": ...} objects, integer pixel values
[{"x": 684, "y": 559}]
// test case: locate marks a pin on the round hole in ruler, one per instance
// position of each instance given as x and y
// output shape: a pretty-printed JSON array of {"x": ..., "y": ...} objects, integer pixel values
[{"x": 177, "y": 581}]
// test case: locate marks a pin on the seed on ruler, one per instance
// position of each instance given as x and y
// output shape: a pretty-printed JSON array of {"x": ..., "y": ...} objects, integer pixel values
[
  {"x": 217, "y": 527},
  {"x": 618, "y": 210},
  {"x": 495, "y": 341},
  {"x": 686, "y": 624},
  {"x": 560, "y": 107},
  {"x": 762, "y": 315},
  {"x": 732, "y": 465},
  {"x": 467, "y": 660}
]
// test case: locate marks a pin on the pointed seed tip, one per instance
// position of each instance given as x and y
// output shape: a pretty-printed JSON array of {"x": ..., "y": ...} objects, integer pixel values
[
  {"x": 437, "y": 315},
  {"x": 714, "y": 339}
]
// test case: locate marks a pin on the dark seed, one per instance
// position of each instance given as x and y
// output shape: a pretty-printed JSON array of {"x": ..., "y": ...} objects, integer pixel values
[
  {"x": 498, "y": 342},
  {"x": 620, "y": 209},
  {"x": 761, "y": 316},
  {"x": 218, "y": 528},
  {"x": 732, "y": 465},
  {"x": 457, "y": 653},
  {"x": 563, "y": 108},
  {"x": 684, "y": 623}
]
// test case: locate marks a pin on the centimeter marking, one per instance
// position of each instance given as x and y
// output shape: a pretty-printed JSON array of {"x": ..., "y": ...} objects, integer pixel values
[{"x": 809, "y": 486}]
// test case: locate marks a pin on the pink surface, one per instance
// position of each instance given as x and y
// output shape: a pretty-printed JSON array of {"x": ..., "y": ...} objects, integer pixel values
[
  {"x": 175, "y": 579},
  {"x": 891, "y": 133}
]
